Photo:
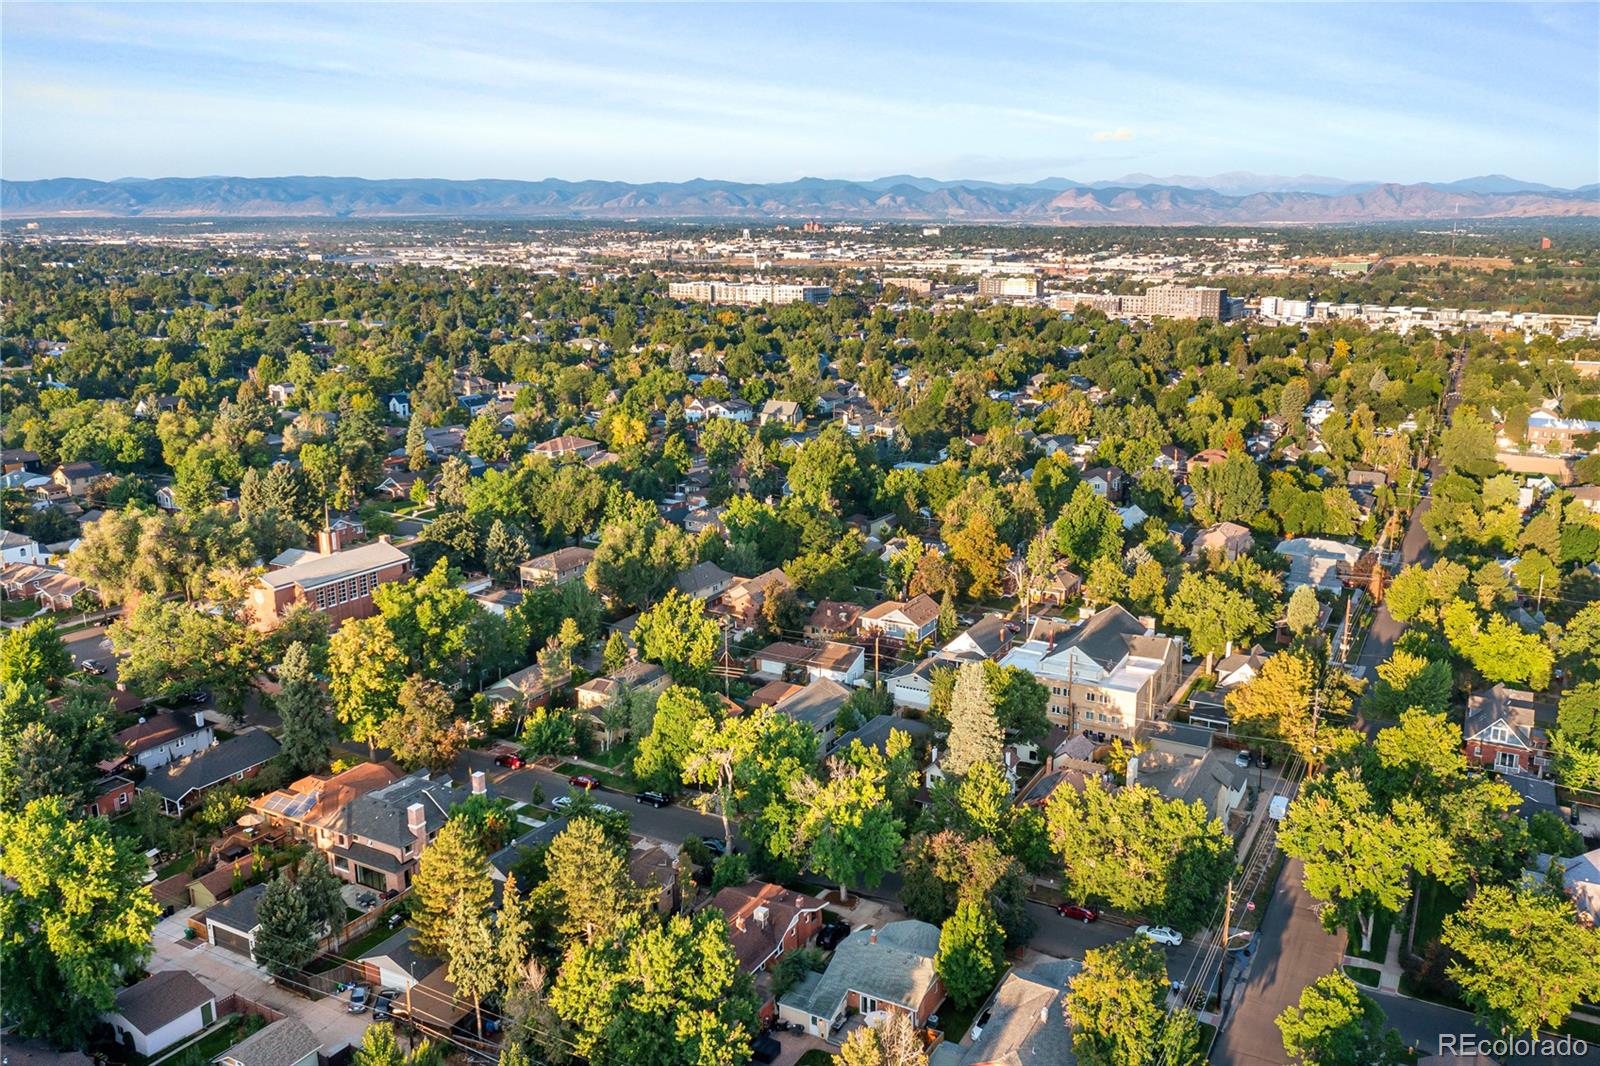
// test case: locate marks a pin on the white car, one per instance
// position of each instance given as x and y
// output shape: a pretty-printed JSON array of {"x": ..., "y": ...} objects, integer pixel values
[
  {"x": 561, "y": 803},
  {"x": 1161, "y": 934}
]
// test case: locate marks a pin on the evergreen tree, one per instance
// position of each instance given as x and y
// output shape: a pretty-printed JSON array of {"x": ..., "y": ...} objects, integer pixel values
[
  {"x": 504, "y": 552},
  {"x": 589, "y": 889},
  {"x": 615, "y": 656},
  {"x": 309, "y": 729},
  {"x": 287, "y": 937},
  {"x": 974, "y": 731},
  {"x": 416, "y": 445},
  {"x": 449, "y": 874}
]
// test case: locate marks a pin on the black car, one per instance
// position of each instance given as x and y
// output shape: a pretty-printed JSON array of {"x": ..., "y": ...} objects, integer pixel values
[
  {"x": 765, "y": 1049},
  {"x": 655, "y": 799},
  {"x": 381, "y": 1004},
  {"x": 716, "y": 846},
  {"x": 829, "y": 936}
]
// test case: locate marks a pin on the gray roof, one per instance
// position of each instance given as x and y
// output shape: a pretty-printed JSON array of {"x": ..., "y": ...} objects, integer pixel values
[
  {"x": 875, "y": 734},
  {"x": 398, "y": 950},
  {"x": 238, "y": 911},
  {"x": 373, "y": 858},
  {"x": 215, "y": 764},
  {"x": 284, "y": 1042},
  {"x": 896, "y": 966},
  {"x": 381, "y": 815},
  {"x": 504, "y": 859},
  {"x": 1017, "y": 1033},
  {"x": 988, "y": 633},
  {"x": 162, "y": 998},
  {"x": 1105, "y": 637},
  {"x": 816, "y": 705},
  {"x": 322, "y": 569},
  {"x": 701, "y": 576}
]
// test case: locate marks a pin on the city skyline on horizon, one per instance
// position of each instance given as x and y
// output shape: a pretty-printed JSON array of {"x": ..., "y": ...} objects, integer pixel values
[{"x": 772, "y": 94}]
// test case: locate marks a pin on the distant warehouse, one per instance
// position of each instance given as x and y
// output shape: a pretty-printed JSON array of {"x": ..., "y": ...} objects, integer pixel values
[{"x": 749, "y": 294}]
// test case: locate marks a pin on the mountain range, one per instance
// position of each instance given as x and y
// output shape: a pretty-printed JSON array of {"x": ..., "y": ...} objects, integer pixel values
[{"x": 1136, "y": 199}]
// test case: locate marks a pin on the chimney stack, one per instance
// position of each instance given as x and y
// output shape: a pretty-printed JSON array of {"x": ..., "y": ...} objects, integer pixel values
[
  {"x": 417, "y": 823},
  {"x": 874, "y": 935},
  {"x": 479, "y": 783},
  {"x": 327, "y": 541}
]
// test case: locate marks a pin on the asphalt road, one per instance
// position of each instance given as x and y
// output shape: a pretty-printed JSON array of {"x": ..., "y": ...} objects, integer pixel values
[
  {"x": 671, "y": 823},
  {"x": 1292, "y": 950},
  {"x": 1067, "y": 938},
  {"x": 1420, "y": 1025},
  {"x": 92, "y": 643}
]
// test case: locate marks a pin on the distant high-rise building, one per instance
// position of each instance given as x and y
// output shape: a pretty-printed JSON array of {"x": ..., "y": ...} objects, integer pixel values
[
  {"x": 1160, "y": 301},
  {"x": 747, "y": 294},
  {"x": 1011, "y": 286}
]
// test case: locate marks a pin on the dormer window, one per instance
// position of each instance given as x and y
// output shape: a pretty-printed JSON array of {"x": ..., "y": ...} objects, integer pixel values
[{"x": 1499, "y": 734}]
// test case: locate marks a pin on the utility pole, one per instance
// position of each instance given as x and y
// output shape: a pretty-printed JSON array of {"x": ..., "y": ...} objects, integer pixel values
[{"x": 1227, "y": 922}]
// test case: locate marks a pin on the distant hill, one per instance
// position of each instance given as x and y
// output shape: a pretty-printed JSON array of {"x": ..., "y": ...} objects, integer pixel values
[{"x": 900, "y": 198}]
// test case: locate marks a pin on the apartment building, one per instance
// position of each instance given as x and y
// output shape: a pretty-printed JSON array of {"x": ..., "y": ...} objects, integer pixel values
[
  {"x": 336, "y": 583},
  {"x": 1110, "y": 674},
  {"x": 1159, "y": 301},
  {"x": 1549, "y": 431},
  {"x": 556, "y": 568},
  {"x": 1011, "y": 286},
  {"x": 747, "y": 294}
]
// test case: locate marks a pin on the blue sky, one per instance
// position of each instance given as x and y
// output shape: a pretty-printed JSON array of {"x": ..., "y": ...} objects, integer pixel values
[{"x": 775, "y": 92}]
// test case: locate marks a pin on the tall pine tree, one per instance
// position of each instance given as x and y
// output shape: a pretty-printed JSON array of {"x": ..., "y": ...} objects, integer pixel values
[
  {"x": 308, "y": 726},
  {"x": 974, "y": 730}
]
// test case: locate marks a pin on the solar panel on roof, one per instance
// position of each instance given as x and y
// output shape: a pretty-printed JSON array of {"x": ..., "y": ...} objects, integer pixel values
[{"x": 301, "y": 805}]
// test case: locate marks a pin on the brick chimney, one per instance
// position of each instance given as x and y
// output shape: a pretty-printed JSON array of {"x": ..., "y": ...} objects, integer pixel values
[
  {"x": 328, "y": 541},
  {"x": 874, "y": 934},
  {"x": 417, "y": 823},
  {"x": 480, "y": 783}
]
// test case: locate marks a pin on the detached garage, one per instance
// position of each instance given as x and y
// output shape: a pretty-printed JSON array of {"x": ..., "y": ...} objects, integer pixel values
[
  {"x": 161, "y": 1010},
  {"x": 232, "y": 923}
]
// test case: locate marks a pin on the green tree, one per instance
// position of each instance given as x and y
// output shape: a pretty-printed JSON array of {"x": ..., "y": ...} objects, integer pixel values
[
  {"x": 78, "y": 921},
  {"x": 1407, "y": 679},
  {"x": 33, "y": 653},
  {"x": 971, "y": 953},
  {"x": 845, "y": 826},
  {"x": 589, "y": 890},
  {"x": 667, "y": 993},
  {"x": 366, "y": 669},
  {"x": 677, "y": 634},
  {"x": 1336, "y": 1025},
  {"x": 1215, "y": 614},
  {"x": 1117, "y": 1006},
  {"x": 1088, "y": 528},
  {"x": 381, "y": 1047},
  {"x": 1303, "y": 609},
  {"x": 893, "y": 1041},
  {"x": 169, "y": 647},
  {"x": 682, "y": 716},
  {"x": 1522, "y": 958},
  {"x": 974, "y": 730},
  {"x": 1497, "y": 647},
  {"x": 309, "y": 730},
  {"x": 423, "y": 730},
  {"x": 287, "y": 938},
  {"x": 449, "y": 876},
  {"x": 1229, "y": 491},
  {"x": 615, "y": 656}
]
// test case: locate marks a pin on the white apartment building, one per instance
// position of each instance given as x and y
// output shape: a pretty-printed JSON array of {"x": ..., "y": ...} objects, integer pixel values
[{"x": 748, "y": 294}]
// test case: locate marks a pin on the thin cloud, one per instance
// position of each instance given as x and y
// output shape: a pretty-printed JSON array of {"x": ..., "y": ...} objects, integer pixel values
[{"x": 1121, "y": 133}]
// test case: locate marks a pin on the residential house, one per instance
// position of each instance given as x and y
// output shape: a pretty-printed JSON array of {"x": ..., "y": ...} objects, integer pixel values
[
  {"x": 183, "y": 784},
  {"x": 1026, "y": 1023},
  {"x": 1317, "y": 562},
  {"x": 653, "y": 866},
  {"x": 874, "y": 733},
  {"x": 1581, "y": 878},
  {"x": 596, "y": 694},
  {"x": 167, "y": 737},
  {"x": 908, "y": 622},
  {"x": 703, "y": 581},
  {"x": 911, "y": 686},
  {"x": 521, "y": 688},
  {"x": 1506, "y": 729},
  {"x": 18, "y": 460},
  {"x": 398, "y": 485},
  {"x": 398, "y": 404},
  {"x": 75, "y": 478},
  {"x": 232, "y": 924},
  {"x": 844, "y": 663},
  {"x": 987, "y": 638},
  {"x": 1208, "y": 457},
  {"x": 1110, "y": 673},
  {"x": 557, "y": 567},
  {"x": 285, "y": 1042},
  {"x": 566, "y": 446},
  {"x": 817, "y": 705},
  {"x": 783, "y": 412},
  {"x": 764, "y": 922},
  {"x": 833, "y": 620},
  {"x": 18, "y": 549},
  {"x": 498, "y": 601},
  {"x": 395, "y": 963},
  {"x": 873, "y": 971},
  {"x": 781, "y": 658},
  {"x": 1588, "y": 496},
  {"x": 112, "y": 794},
  {"x": 1239, "y": 668},
  {"x": 744, "y": 598},
  {"x": 1106, "y": 481},
  {"x": 1061, "y": 587},
  {"x": 769, "y": 694},
  {"x": 1181, "y": 764},
  {"x": 1229, "y": 538},
  {"x": 158, "y": 1012}
]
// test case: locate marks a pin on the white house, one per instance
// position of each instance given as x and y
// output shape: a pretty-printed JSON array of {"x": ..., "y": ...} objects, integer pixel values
[
  {"x": 16, "y": 548},
  {"x": 844, "y": 663},
  {"x": 164, "y": 1008},
  {"x": 1315, "y": 561}
]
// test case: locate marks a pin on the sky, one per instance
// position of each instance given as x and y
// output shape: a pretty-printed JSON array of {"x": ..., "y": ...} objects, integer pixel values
[{"x": 755, "y": 92}]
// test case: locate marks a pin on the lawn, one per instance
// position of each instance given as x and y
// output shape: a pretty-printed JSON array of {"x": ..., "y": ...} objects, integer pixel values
[
  {"x": 1381, "y": 927},
  {"x": 1364, "y": 975},
  {"x": 1434, "y": 904},
  {"x": 11, "y": 609},
  {"x": 815, "y": 1057}
]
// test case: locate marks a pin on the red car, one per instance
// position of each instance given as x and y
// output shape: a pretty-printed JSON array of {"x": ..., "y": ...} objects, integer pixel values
[
  {"x": 509, "y": 760},
  {"x": 1074, "y": 911},
  {"x": 584, "y": 781}
]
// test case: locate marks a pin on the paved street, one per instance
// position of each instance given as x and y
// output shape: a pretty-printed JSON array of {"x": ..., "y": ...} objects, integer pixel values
[
  {"x": 1278, "y": 973},
  {"x": 92, "y": 643},
  {"x": 1065, "y": 938},
  {"x": 1420, "y": 1023}
]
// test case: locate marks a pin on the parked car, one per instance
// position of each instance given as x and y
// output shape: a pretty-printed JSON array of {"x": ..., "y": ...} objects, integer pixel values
[
  {"x": 584, "y": 781},
  {"x": 1263, "y": 760},
  {"x": 605, "y": 808},
  {"x": 829, "y": 936},
  {"x": 509, "y": 760},
  {"x": 93, "y": 666},
  {"x": 358, "y": 1000},
  {"x": 194, "y": 697},
  {"x": 1077, "y": 912},
  {"x": 382, "y": 1002},
  {"x": 561, "y": 803},
  {"x": 1161, "y": 935},
  {"x": 765, "y": 1049},
  {"x": 655, "y": 799},
  {"x": 716, "y": 846},
  {"x": 1242, "y": 759}
]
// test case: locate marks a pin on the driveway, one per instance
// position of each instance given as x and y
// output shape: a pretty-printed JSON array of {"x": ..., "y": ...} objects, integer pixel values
[{"x": 224, "y": 973}]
